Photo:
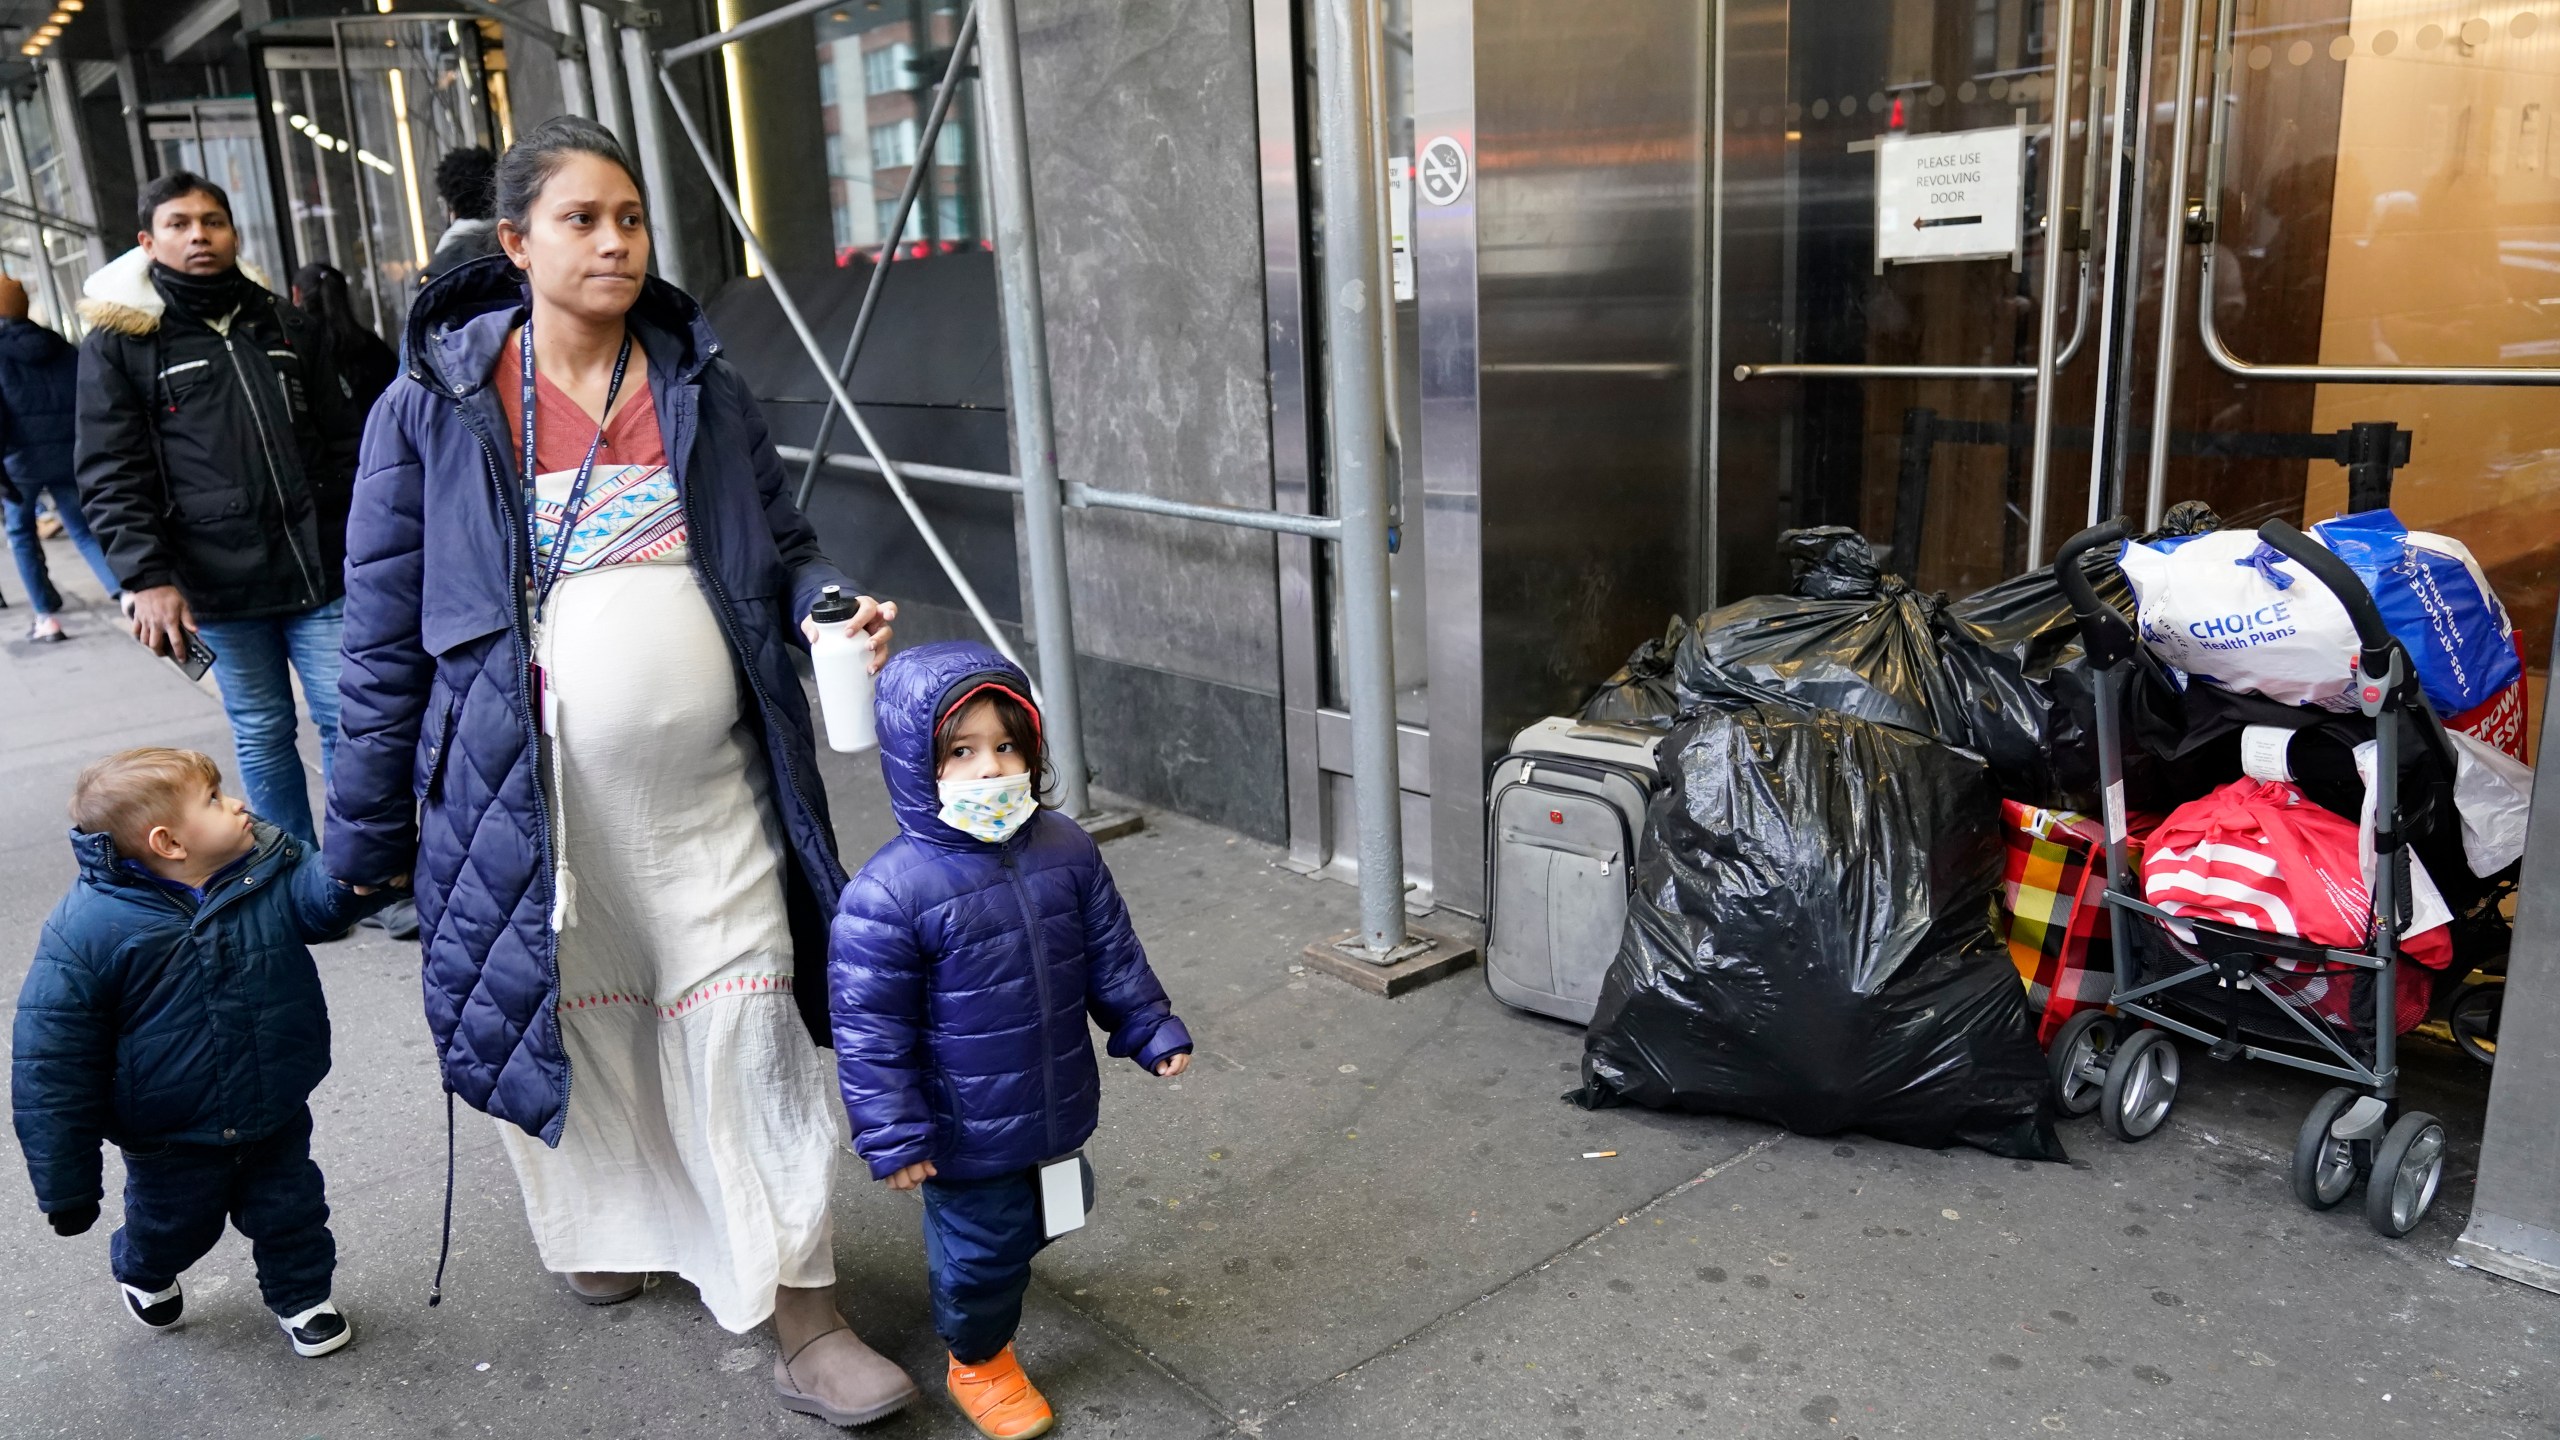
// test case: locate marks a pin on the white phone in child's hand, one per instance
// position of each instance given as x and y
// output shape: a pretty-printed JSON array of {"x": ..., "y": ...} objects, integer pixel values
[{"x": 1062, "y": 1196}]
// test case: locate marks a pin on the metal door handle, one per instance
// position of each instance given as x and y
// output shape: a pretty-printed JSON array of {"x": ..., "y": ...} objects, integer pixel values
[{"x": 2210, "y": 333}]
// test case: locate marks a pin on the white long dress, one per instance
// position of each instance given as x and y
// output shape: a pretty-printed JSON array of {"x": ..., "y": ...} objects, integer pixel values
[{"x": 702, "y": 1123}]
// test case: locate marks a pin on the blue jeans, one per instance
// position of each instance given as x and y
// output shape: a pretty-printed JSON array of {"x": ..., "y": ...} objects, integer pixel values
[
  {"x": 249, "y": 661},
  {"x": 979, "y": 1237},
  {"x": 177, "y": 1196},
  {"x": 21, "y": 515}
]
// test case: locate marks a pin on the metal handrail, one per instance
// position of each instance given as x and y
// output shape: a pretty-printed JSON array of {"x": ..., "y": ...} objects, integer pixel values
[
  {"x": 2172, "y": 265},
  {"x": 2129, "y": 107},
  {"x": 1885, "y": 372},
  {"x": 2040, "y": 461},
  {"x": 2210, "y": 333},
  {"x": 2053, "y": 217}
]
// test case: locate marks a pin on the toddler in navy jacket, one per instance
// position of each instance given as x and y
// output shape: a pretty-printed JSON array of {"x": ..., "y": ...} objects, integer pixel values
[
  {"x": 173, "y": 1008},
  {"x": 963, "y": 963}
]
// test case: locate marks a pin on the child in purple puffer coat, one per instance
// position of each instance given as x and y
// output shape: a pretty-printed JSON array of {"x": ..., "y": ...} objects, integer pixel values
[{"x": 962, "y": 965}]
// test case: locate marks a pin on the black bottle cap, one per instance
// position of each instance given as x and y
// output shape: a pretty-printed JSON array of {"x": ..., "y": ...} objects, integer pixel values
[{"x": 832, "y": 606}]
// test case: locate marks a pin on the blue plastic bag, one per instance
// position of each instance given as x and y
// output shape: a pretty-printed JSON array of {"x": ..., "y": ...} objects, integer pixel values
[{"x": 2436, "y": 601}]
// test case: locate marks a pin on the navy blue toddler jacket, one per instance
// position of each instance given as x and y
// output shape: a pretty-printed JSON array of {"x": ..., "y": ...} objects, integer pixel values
[
  {"x": 960, "y": 973},
  {"x": 146, "y": 1019}
]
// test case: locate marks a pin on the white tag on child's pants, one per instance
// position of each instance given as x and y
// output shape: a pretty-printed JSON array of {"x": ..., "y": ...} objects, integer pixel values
[{"x": 1062, "y": 1196}]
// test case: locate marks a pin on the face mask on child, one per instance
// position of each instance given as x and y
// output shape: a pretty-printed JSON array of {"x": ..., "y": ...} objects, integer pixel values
[{"x": 990, "y": 809}]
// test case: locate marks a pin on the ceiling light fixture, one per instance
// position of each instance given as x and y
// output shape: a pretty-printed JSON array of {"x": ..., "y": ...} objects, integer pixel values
[{"x": 58, "y": 17}]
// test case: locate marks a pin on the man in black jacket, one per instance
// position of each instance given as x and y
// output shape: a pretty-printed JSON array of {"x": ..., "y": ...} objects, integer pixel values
[
  {"x": 467, "y": 183},
  {"x": 217, "y": 454}
]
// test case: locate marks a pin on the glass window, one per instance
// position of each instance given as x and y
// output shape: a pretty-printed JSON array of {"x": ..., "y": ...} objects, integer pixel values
[
  {"x": 884, "y": 70},
  {"x": 883, "y": 63},
  {"x": 893, "y": 145},
  {"x": 826, "y": 75}
]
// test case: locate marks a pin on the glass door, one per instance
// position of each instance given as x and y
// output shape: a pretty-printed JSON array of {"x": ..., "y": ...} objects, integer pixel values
[
  {"x": 1903, "y": 246},
  {"x": 2371, "y": 234},
  {"x": 219, "y": 140},
  {"x": 358, "y": 123}
]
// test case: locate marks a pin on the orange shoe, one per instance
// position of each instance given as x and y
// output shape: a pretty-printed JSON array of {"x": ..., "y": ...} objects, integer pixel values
[{"x": 999, "y": 1399}]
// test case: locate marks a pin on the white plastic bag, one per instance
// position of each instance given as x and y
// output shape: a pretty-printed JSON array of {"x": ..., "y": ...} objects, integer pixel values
[
  {"x": 2427, "y": 907},
  {"x": 2223, "y": 608},
  {"x": 2494, "y": 792}
]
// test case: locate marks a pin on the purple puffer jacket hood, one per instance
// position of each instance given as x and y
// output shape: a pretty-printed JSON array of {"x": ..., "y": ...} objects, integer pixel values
[{"x": 960, "y": 973}]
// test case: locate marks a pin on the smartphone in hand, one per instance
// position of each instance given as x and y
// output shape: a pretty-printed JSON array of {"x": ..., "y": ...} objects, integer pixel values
[{"x": 198, "y": 659}]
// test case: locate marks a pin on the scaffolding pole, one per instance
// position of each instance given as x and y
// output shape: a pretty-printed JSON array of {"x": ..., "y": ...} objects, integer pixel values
[
  {"x": 1355, "y": 405},
  {"x": 958, "y": 65},
  {"x": 574, "y": 96},
  {"x": 649, "y": 138},
  {"x": 1027, "y": 409},
  {"x": 605, "y": 83},
  {"x": 710, "y": 162}
]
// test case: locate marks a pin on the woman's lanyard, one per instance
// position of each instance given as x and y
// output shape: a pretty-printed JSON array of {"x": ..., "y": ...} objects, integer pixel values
[{"x": 549, "y": 573}]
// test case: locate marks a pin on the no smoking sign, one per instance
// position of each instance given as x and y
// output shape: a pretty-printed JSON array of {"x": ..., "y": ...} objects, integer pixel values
[{"x": 1441, "y": 171}]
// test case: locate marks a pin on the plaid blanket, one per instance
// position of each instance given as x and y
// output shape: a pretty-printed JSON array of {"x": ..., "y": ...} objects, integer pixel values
[{"x": 2057, "y": 927}]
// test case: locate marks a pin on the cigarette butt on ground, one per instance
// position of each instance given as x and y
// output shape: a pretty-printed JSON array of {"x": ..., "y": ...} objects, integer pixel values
[{"x": 1599, "y": 1154}]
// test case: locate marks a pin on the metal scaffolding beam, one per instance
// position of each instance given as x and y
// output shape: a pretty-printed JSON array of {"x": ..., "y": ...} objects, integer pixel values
[{"x": 710, "y": 161}]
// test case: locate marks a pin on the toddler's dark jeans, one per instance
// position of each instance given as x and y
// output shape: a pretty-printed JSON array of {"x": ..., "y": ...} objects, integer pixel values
[
  {"x": 177, "y": 1196},
  {"x": 979, "y": 1237}
]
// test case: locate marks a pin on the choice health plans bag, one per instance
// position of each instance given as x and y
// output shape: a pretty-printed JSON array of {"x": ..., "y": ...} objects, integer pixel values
[
  {"x": 2227, "y": 609},
  {"x": 2436, "y": 600}
]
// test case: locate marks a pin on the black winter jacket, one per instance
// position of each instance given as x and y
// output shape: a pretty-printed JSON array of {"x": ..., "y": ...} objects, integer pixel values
[
  {"x": 218, "y": 463},
  {"x": 146, "y": 1020},
  {"x": 39, "y": 383}
]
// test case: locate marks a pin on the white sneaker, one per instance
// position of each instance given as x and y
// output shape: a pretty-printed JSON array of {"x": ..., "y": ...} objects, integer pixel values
[
  {"x": 318, "y": 1330},
  {"x": 46, "y": 631},
  {"x": 156, "y": 1312}
]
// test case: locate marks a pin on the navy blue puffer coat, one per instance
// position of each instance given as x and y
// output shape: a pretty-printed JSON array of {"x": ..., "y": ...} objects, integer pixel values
[
  {"x": 39, "y": 393},
  {"x": 148, "y": 1019},
  {"x": 960, "y": 973},
  {"x": 437, "y": 769}
]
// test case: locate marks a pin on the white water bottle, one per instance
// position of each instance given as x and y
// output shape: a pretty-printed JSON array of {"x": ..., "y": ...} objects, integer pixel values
[{"x": 843, "y": 663}]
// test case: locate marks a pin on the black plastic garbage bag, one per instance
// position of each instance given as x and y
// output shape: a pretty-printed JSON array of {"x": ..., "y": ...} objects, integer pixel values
[
  {"x": 1810, "y": 941},
  {"x": 2014, "y": 653},
  {"x": 1643, "y": 691},
  {"x": 1851, "y": 639}
]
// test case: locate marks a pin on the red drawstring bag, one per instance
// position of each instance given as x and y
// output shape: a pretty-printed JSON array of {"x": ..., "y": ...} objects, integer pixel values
[{"x": 2259, "y": 855}]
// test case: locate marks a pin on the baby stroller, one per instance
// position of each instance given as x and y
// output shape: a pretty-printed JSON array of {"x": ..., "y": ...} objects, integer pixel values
[{"x": 2177, "y": 976}]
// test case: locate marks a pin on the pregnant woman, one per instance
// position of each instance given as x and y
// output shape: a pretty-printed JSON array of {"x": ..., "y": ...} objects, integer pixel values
[{"x": 573, "y": 573}]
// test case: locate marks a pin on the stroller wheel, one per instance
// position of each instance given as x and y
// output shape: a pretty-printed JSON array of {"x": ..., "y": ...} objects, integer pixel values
[
  {"x": 2078, "y": 1063},
  {"x": 2142, "y": 1083},
  {"x": 2324, "y": 1166},
  {"x": 2406, "y": 1173},
  {"x": 2473, "y": 1018}
]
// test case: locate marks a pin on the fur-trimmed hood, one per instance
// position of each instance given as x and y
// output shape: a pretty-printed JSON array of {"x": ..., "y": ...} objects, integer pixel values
[{"x": 122, "y": 298}]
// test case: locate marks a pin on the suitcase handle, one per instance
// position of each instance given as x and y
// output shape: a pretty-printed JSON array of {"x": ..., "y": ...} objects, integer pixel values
[{"x": 1608, "y": 858}]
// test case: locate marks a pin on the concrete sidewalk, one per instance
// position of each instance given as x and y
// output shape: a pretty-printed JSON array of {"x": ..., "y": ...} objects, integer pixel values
[{"x": 1353, "y": 1217}]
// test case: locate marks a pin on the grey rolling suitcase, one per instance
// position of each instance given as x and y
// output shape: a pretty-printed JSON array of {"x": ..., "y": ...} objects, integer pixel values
[{"x": 1563, "y": 815}]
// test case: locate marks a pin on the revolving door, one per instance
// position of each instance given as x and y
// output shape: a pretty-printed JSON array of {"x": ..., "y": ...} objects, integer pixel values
[{"x": 355, "y": 114}]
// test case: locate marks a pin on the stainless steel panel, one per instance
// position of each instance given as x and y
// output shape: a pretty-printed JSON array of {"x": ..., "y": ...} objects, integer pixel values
[
  {"x": 1444, "y": 239},
  {"x": 1413, "y": 754},
  {"x": 1590, "y": 163},
  {"x": 1420, "y": 896}
]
